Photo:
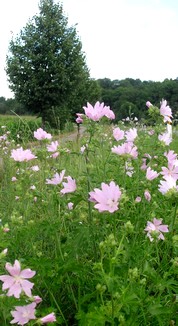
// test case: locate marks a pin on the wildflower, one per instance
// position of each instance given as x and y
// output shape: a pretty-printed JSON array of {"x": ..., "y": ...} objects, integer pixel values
[
  {"x": 16, "y": 282},
  {"x": 82, "y": 149},
  {"x": 35, "y": 168},
  {"x": 148, "y": 104},
  {"x": 57, "y": 178},
  {"x": 53, "y": 146},
  {"x": 14, "y": 179},
  {"x": 98, "y": 111},
  {"x": 48, "y": 319},
  {"x": 54, "y": 155},
  {"x": 118, "y": 134},
  {"x": 37, "y": 299},
  {"x": 168, "y": 184},
  {"x": 147, "y": 195},
  {"x": 155, "y": 228},
  {"x": 32, "y": 187},
  {"x": 165, "y": 138},
  {"x": 126, "y": 149},
  {"x": 170, "y": 155},
  {"x": 151, "y": 174},
  {"x": 23, "y": 314},
  {"x": 138, "y": 199},
  {"x": 79, "y": 120},
  {"x": 70, "y": 206},
  {"x": 143, "y": 166},
  {"x": 165, "y": 110},
  {"x": 40, "y": 134},
  {"x": 151, "y": 132},
  {"x": 106, "y": 198},
  {"x": 69, "y": 186},
  {"x": 21, "y": 155},
  {"x": 131, "y": 134},
  {"x": 171, "y": 171}
]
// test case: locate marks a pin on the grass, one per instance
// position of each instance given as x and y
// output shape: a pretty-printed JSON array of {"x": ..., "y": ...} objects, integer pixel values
[{"x": 92, "y": 268}]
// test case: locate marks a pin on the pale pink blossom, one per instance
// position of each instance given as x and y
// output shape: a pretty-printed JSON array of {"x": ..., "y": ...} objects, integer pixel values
[
  {"x": 165, "y": 138},
  {"x": 147, "y": 195},
  {"x": 131, "y": 134},
  {"x": 23, "y": 314},
  {"x": 69, "y": 186},
  {"x": 57, "y": 178},
  {"x": 70, "y": 206},
  {"x": 21, "y": 155},
  {"x": 82, "y": 149},
  {"x": 40, "y": 134},
  {"x": 126, "y": 149},
  {"x": 170, "y": 155},
  {"x": 98, "y": 111},
  {"x": 48, "y": 319},
  {"x": 148, "y": 104},
  {"x": 144, "y": 165},
  {"x": 155, "y": 228},
  {"x": 79, "y": 120},
  {"x": 165, "y": 110},
  {"x": 170, "y": 171},
  {"x": 138, "y": 199},
  {"x": 14, "y": 179},
  {"x": 17, "y": 197},
  {"x": 35, "y": 168},
  {"x": 53, "y": 146},
  {"x": 151, "y": 132},
  {"x": 32, "y": 187},
  {"x": 151, "y": 174},
  {"x": 54, "y": 155},
  {"x": 37, "y": 299},
  {"x": 168, "y": 184},
  {"x": 17, "y": 281},
  {"x": 107, "y": 198},
  {"x": 6, "y": 229},
  {"x": 118, "y": 134}
]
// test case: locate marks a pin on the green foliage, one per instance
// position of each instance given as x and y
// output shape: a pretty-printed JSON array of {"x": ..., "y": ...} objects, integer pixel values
[
  {"x": 47, "y": 69},
  {"x": 92, "y": 268}
]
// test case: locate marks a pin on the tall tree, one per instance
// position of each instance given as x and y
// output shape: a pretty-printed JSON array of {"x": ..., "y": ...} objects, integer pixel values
[{"x": 47, "y": 68}]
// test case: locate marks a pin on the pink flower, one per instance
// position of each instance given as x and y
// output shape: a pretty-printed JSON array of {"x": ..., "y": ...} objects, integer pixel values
[
  {"x": 131, "y": 134},
  {"x": 165, "y": 138},
  {"x": 106, "y": 198},
  {"x": 151, "y": 132},
  {"x": 143, "y": 166},
  {"x": 156, "y": 228},
  {"x": 57, "y": 179},
  {"x": 35, "y": 168},
  {"x": 79, "y": 120},
  {"x": 23, "y": 314},
  {"x": 40, "y": 134},
  {"x": 147, "y": 195},
  {"x": 126, "y": 149},
  {"x": 98, "y": 111},
  {"x": 171, "y": 171},
  {"x": 37, "y": 299},
  {"x": 148, "y": 104},
  {"x": 20, "y": 155},
  {"x": 170, "y": 155},
  {"x": 118, "y": 134},
  {"x": 48, "y": 319},
  {"x": 165, "y": 110},
  {"x": 151, "y": 174},
  {"x": 69, "y": 186},
  {"x": 53, "y": 146},
  {"x": 167, "y": 185},
  {"x": 138, "y": 199},
  {"x": 14, "y": 179},
  {"x": 16, "y": 282},
  {"x": 54, "y": 155},
  {"x": 70, "y": 206}
]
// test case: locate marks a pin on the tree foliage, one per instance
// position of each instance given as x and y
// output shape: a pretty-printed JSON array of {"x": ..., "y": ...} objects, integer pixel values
[{"x": 47, "y": 68}]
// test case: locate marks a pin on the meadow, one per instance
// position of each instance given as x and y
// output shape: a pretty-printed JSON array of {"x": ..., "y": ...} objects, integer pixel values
[{"x": 89, "y": 226}]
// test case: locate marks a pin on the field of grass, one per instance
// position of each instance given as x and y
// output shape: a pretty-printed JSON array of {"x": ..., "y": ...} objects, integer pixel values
[{"x": 98, "y": 227}]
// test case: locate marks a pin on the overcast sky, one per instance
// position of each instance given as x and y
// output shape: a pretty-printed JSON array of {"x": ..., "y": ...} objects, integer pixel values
[{"x": 121, "y": 38}]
